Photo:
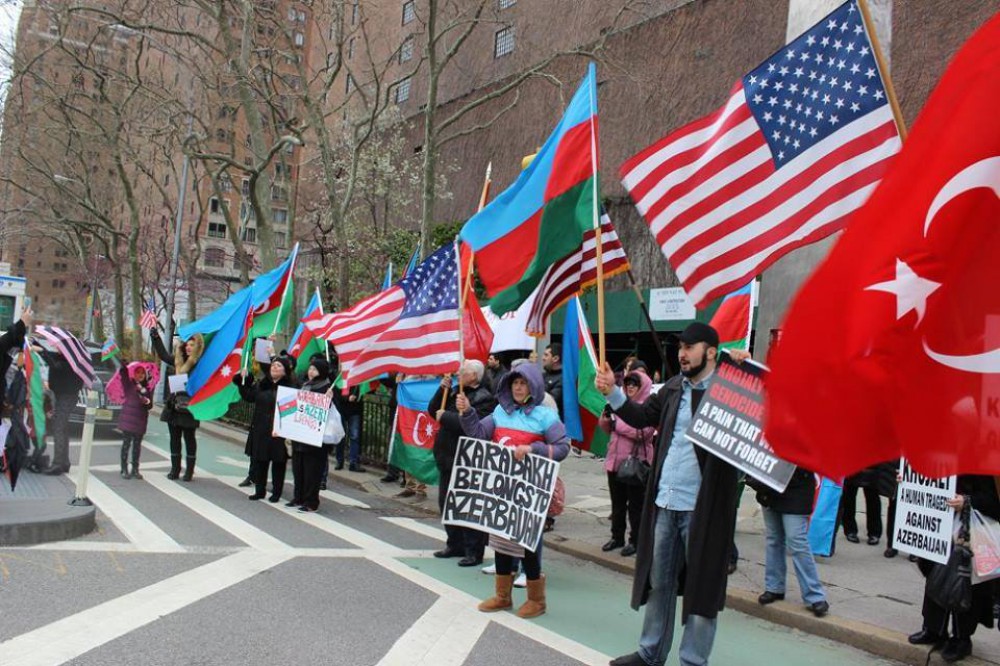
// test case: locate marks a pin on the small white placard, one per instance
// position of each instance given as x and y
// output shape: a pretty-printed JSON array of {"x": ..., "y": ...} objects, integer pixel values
[
  {"x": 177, "y": 383},
  {"x": 670, "y": 304},
  {"x": 263, "y": 350}
]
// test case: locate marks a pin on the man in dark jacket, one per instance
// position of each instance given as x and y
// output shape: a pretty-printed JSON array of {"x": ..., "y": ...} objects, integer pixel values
[
  {"x": 688, "y": 514},
  {"x": 65, "y": 385},
  {"x": 462, "y": 541},
  {"x": 495, "y": 370},
  {"x": 11, "y": 340},
  {"x": 553, "y": 375}
]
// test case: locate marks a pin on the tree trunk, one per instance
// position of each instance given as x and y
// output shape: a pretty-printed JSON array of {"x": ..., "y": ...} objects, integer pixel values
[{"x": 429, "y": 166}]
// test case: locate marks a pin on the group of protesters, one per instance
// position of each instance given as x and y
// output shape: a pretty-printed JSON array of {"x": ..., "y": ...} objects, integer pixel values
[{"x": 678, "y": 521}]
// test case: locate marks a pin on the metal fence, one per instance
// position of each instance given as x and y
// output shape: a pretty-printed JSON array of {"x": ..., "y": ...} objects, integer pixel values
[{"x": 376, "y": 425}]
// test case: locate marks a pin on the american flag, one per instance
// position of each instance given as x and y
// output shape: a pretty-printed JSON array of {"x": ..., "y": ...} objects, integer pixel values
[
  {"x": 412, "y": 327},
  {"x": 568, "y": 277},
  {"x": 70, "y": 349},
  {"x": 800, "y": 144},
  {"x": 148, "y": 319}
]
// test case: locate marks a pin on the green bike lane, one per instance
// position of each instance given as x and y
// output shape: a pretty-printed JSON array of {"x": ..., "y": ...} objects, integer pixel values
[{"x": 587, "y": 603}]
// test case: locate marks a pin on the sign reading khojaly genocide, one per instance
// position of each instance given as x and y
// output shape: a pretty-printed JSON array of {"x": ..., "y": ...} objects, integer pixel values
[{"x": 729, "y": 423}]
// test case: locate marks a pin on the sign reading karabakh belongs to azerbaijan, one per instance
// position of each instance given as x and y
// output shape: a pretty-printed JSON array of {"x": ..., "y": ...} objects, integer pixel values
[{"x": 493, "y": 492}]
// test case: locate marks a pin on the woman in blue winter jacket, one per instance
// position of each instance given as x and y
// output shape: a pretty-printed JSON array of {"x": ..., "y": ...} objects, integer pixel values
[{"x": 522, "y": 422}]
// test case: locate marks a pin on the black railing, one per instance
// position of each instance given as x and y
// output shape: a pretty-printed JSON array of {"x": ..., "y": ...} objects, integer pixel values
[
  {"x": 240, "y": 414},
  {"x": 376, "y": 429}
]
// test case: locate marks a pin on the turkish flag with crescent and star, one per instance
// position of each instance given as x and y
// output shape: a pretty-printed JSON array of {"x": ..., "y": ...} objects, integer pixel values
[{"x": 892, "y": 347}]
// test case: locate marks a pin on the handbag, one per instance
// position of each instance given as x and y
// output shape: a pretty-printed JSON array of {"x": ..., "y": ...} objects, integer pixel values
[
  {"x": 634, "y": 471},
  {"x": 950, "y": 585}
]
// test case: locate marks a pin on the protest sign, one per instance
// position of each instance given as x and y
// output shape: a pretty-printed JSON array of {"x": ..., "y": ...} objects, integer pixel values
[
  {"x": 729, "y": 423},
  {"x": 263, "y": 350},
  {"x": 493, "y": 492},
  {"x": 301, "y": 415},
  {"x": 177, "y": 383},
  {"x": 924, "y": 522}
]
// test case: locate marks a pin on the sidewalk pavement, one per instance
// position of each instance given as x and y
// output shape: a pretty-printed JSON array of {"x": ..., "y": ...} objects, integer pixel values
[{"x": 38, "y": 510}]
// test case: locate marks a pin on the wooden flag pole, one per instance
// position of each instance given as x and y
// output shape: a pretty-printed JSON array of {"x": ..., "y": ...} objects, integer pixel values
[
  {"x": 601, "y": 347},
  {"x": 466, "y": 284},
  {"x": 649, "y": 321},
  {"x": 890, "y": 90}
]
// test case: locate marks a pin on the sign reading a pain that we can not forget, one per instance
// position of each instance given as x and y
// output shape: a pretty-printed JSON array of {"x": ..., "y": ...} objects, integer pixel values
[{"x": 730, "y": 419}]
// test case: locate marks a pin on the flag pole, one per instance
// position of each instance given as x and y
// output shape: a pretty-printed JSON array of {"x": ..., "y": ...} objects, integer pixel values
[
  {"x": 465, "y": 286},
  {"x": 284, "y": 292},
  {"x": 326, "y": 345},
  {"x": 592, "y": 75},
  {"x": 890, "y": 91},
  {"x": 649, "y": 320}
]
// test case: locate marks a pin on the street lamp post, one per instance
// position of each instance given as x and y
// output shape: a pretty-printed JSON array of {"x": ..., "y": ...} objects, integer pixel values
[{"x": 175, "y": 257}]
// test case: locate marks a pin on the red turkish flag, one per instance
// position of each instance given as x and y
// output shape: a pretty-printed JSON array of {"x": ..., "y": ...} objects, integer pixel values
[
  {"x": 893, "y": 346},
  {"x": 477, "y": 336}
]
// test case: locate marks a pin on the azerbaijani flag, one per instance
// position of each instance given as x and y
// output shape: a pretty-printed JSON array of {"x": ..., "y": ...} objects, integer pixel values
[
  {"x": 288, "y": 407},
  {"x": 413, "y": 430},
  {"x": 210, "y": 384},
  {"x": 733, "y": 319},
  {"x": 387, "y": 281},
  {"x": 109, "y": 349},
  {"x": 582, "y": 402},
  {"x": 414, "y": 260},
  {"x": 304, "y": 345},
  {"x": 36, "y": 395},
  {"x": 543, "y": 216},
  {"x": 270, "y": 294}
]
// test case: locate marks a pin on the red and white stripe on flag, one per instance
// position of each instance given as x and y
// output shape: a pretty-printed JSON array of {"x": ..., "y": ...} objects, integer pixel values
[
  {"x": 569, "y": 276},
  {"x": 148, "y": 319},
  {"x": 71, "y": 349},
  {"x": 412, "y": 327},
  {"x": 800, "y": 144}
]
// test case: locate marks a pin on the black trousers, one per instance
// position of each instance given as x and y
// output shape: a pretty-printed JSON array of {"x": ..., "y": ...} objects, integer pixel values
[
  {"x": 61, "y": 411},
  {"x": 531, "y": 562},
  {"x": 469, "y": 541},
  {"x": 626, "y": 500},
  {"x": 873, "y": 511},
  {"x": 190, "y": 441},
  {"x": 277, "y": 477},
  {"x": 310, "y": 474},
  {"x": 133, "y": 442}
]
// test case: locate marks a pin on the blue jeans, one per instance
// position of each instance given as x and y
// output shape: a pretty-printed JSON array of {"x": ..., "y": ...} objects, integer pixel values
[
  {"x": 785, "y": 531},
  {"x": 353, "y": 423},
  {"x": 670, "y": 537}
]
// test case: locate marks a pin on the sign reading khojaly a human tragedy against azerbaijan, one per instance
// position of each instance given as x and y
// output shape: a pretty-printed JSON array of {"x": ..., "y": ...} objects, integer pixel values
[
  {"x": 924, "y": 521},
  {"x": 729, "y": 423},
  {"x": 494, "y": 492}
]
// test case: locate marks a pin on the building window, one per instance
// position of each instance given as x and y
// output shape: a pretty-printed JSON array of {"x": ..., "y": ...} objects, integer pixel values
[
  {"x": 349, "y": 85},
  {"x": 402, "y": 91},
  {"x": 216, "y": 229},
  {"x": 299, "y": 38},
  {"x": 213, "y": 205},
  {"x": 280, "y": 216},
  {"x": 245, "y": 187},
  {"x": 409, "y": 11},
  {"x": 225, "y": 184},
  {"x": 503, "y": 42},
  {"x": 354, "y": 12},
  {"x": 280, "y": 240},
  {"x": 215, "y": 257},
  {"x": 250, "y": 235},
  {"x": 279, "y": 193},
  {"x": 504, "y": 4},
  {"x": 350, "y": 47},
  {"x": 406, "y": 50}
]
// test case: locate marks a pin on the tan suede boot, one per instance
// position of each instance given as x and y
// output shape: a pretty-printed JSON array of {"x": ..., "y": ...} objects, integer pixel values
[
  {"x": 535, "y": 605},
  {"x": 502, "y": 600}
]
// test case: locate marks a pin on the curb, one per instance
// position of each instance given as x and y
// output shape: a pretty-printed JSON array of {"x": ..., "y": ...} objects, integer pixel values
[
  {"x": 861, "y": 635},
  {"x": 62, "y": 522}
]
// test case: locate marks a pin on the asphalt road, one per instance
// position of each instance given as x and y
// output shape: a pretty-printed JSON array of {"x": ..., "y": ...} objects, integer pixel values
[{"x": 193, "y": 573}]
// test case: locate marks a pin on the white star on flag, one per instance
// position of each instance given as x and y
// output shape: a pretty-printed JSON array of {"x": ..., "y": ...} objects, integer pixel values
[{"x": 910, "y": 289}]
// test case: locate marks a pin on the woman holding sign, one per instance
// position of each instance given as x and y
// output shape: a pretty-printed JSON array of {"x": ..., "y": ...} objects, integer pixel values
[
  {"x": 180, "y": 422},
  {"x": 980, "y": 493},
  {"x": 307, "y": 460},
  {"x": 262, "y": 446},
  {"x": 522, "y": 422}
]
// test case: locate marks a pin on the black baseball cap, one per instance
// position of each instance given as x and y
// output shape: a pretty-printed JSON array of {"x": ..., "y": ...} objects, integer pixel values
[{"x": 699, "y": 332}]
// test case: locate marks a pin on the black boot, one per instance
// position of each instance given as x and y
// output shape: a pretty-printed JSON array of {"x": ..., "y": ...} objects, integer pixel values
[
  {"x": 135, "y": 460},
  {"x": 124, "y": 472},
  {"x": 189, "y": 470},
  {"x": 175, "y": 468}
]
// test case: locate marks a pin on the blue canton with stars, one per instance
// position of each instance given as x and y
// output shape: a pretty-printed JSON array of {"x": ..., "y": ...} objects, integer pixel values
[
  {"x": 433, "y": 285},
  {"x": 816, "y": 85}
]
